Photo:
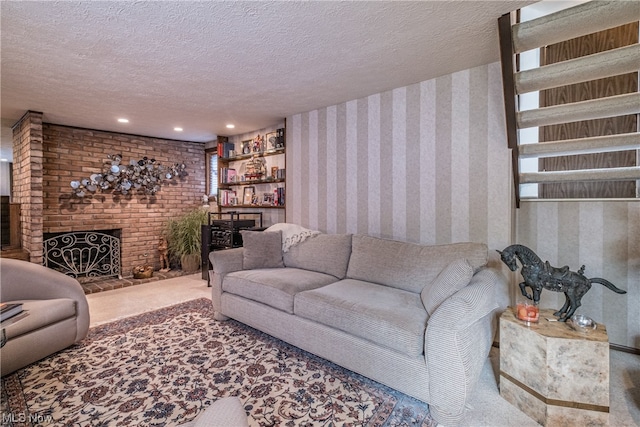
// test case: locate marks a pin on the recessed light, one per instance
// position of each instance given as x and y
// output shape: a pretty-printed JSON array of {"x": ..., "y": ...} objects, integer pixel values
[
  {"x": 230, "y": 126},
  {"x": 4, "y": 160},
  {"x": 123, "y": 120},
  {"x": 177, "y": 129}
]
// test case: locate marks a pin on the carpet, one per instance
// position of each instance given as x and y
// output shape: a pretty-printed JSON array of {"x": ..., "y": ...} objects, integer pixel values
[{"x": 164, "y": 367}]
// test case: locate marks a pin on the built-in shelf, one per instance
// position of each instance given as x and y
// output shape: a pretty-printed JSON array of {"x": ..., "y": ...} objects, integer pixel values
[
  {"x": 253, "y": 206},
  {"x": 248, "y": 180},
  {"x": 266, "y": 153},
  {"x": 252, "y": 182}
]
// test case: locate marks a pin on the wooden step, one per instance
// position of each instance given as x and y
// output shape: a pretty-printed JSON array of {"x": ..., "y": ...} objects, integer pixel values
[{"x": 580, "y": 20}]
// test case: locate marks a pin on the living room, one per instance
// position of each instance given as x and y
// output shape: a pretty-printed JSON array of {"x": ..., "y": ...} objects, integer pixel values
[{"x": 424, "y": 161}]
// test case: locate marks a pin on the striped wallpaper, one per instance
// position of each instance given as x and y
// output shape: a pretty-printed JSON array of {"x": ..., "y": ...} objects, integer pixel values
[
  {"x": 424, "y": 163},
  {"x": 428, "y": 163},
  {"x": 605, "y": 237}
]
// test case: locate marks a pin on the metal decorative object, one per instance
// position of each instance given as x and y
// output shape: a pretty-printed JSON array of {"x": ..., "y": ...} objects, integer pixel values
[
  {"x": 83, "y": 254},
  {"x": 144, "y": 176},
  {"x": 538, "y": 275},
  {"x": 581, "y": 323}
]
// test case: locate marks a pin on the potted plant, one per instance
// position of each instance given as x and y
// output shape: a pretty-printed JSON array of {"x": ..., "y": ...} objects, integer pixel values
[{"x": 184, "y": 238}]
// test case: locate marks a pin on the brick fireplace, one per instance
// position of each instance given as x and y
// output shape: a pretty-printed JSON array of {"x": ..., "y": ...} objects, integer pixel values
[{"x": 49, "y": 157}]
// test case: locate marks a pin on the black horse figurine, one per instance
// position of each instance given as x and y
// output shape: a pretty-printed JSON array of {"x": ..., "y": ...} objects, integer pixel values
[{"x": 538, "y": 275}]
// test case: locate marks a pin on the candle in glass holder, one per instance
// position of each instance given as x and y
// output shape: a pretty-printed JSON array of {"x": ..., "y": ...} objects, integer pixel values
[{"x": 528, "y": 312}]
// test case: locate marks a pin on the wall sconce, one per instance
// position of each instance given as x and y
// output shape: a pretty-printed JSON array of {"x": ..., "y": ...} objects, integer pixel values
[{"x": 144, "y": 176}]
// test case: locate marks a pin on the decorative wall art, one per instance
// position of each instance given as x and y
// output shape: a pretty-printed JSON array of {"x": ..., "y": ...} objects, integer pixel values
[{"x": 144, "y": 176}]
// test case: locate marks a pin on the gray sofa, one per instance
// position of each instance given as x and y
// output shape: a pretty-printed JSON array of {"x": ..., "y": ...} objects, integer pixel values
[
  {"x": 420, "y": 319},
  {"x": 58, "y": 313}
]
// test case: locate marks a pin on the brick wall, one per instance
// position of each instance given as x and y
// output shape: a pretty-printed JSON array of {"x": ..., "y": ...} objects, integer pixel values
[
  {"x": 72, "y": 154},
  {"x": 27, "y": 181}
]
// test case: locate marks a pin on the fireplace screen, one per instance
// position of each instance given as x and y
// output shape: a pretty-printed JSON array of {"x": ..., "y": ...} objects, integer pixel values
[{"x": 84, "y": 253}]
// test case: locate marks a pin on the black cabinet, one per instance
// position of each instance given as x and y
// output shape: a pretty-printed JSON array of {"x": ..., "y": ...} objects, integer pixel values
[{"x": 223, "y": 232}]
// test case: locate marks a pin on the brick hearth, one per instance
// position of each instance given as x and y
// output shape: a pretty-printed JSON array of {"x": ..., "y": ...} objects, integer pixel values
[{"x": 111, "y": 283}]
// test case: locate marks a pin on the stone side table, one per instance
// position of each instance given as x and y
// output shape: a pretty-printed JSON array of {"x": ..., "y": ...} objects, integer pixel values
[{"x": 555, "y": 375}]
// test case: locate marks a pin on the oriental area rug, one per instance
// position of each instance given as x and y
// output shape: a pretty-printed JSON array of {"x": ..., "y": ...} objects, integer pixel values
[{"x": 164, "y": 367}]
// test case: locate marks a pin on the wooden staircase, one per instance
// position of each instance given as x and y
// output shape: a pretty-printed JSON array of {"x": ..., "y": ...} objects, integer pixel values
[{"x": 518, "y": 37}]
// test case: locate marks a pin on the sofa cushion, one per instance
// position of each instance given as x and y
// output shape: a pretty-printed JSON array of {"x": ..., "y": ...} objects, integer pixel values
[
  {"x": 41, "y": 314},
  {"x": 325, "y": 253},
  {"x": 275, "y": 287},
  {"x": 407, "y": 266},
  {"x": 262, "y": 249},
  {"x": 451, "y": 279},
  {"x": 390, "y": 317}
]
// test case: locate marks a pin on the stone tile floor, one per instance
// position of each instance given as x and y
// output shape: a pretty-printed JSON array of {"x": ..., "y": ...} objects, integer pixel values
[{"x": 111, "y": 283}]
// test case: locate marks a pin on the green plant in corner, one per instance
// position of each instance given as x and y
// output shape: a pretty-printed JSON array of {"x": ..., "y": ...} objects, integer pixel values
[{"x": 184, "y": 237}]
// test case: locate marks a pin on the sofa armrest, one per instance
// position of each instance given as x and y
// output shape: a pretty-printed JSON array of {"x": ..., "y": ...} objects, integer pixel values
[
  {"x": 458, "y": 338},
  {"x": 23, "y": 280},
  {"x": 223, "y": 262}
]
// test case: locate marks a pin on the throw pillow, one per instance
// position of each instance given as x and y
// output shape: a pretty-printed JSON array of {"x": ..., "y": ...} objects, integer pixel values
[
  {"x": 262, "y": 249},
  {"x": 451, "y": 279}
]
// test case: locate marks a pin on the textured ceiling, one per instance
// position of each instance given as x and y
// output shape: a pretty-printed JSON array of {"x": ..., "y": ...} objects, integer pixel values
[{"x": 201, "y": 65}]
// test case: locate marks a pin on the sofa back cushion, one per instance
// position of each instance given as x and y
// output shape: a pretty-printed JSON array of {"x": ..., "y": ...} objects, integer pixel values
[
  {"x": 407, "y": 266},
  {"x": 324, "y": 253}
]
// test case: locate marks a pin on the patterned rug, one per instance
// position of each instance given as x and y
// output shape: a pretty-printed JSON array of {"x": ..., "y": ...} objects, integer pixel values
[{"x": 164, "y": 367}]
